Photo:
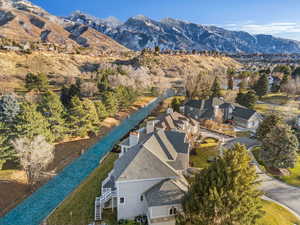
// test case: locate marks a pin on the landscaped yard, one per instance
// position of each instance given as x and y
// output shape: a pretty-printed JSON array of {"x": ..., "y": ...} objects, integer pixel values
[
  {"x": 292, "y": 179},
  {"x": 276, "y": 215},
  {"x": 78, "y": 208},
  {"x": 206, "y": 151}
]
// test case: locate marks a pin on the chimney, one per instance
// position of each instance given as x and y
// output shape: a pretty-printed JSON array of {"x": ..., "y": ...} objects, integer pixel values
[
  {"x": 150, "y": 127},
  {"x": 134, "y": 138}
]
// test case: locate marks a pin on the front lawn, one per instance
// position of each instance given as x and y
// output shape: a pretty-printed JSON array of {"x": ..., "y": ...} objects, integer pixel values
[
  {"x": 277, "y": 215},
  {"x": 292, "y": 179},
  {"x": 203, "y": 154},
  {"x": 78, "y": 208}
]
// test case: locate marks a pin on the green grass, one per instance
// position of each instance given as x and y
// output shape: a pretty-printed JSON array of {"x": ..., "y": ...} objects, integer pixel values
[
  {"x": 276, "y": 215},
  {"x": 203, "y": 154},
  {"x": 294, "y": 177},
  {"x": 78, "y": 208},
  {"x": 278, "y": 98}
]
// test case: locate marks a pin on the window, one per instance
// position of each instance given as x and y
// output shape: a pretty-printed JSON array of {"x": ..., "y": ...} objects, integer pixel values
[
  {"x": 142, "y": 198},
  {"x": 122, "y": 200},
  {"x": 173, "y": 211}
]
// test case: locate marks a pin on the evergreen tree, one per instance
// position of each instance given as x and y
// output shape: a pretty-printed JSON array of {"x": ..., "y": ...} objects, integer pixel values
[
  {"x": 6, "y": 151},
  {"x": 38, "y": 82},
  {"x": 284, "y": 80},
  {"x": 216, "y": 88},
  {"x": 30, "y": 123},
  {"x": 9, "y": 108},
  {"x": 262, "y": 85},
  {"x": 111, "y": 103},
  {"x": 285, "y": 69},
  {"x": 125, "y": 96},
  {"x": 224, "y": 193},
  {"x": 52, "y": 109},
  {"x": 266, "y": 125},
  {"x": 101, "y": 110},
  {"x": 68, "y": 93},
  {"x": 230, "y": 74},
  {"x": 280, "y": 147},
  {"x": 296, "y": 72},
  {"x": 78, "y": 118},
  {"x": 92, "y": 115},
  {"x": 248, "y": 99}
]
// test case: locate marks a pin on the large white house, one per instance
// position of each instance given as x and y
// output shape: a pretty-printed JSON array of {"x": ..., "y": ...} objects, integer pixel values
[{"x": 147, "y": 179}]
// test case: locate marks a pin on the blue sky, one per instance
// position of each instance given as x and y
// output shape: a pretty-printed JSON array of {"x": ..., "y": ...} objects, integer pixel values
[{"x": 277, "y": 17}]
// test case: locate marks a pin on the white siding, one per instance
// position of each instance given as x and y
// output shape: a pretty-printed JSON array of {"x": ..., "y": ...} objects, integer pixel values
[
  {"x": 132, "y": 191},
  {"x": 162, "y": 211}
]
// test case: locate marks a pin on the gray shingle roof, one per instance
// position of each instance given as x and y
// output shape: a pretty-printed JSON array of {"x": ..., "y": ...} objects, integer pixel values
[
  {"x": 243, "y": 112},
  {"x": 159, "y": 155},
  {"x": 166, "y": 192},
  {"x": 139, "y": 163}
]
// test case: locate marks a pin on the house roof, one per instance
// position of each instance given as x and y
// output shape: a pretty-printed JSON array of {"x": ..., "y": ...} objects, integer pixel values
[
  {"x": 167, "y": 192},
  {"x": 150, "y": 158},
  {"x": 174, "y": 120},
  {"x": 204, "y": 104},
  {"x": 244, "y": 113},
  {"x": 139, "y": 163}
]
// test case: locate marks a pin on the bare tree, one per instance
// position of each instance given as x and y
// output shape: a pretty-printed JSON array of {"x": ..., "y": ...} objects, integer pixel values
[
  {"x": 88, "y": 89},
  {"x": 198, "y": 85},
  {"x": 34, "y": 155},
  {"x": 290, "y": 88}
]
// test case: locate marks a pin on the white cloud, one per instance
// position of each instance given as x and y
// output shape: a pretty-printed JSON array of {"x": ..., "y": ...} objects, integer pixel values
[{"x": 271, "y": 28}]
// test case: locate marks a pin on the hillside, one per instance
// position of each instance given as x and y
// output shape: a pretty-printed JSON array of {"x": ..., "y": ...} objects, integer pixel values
[
  {"x": 140, "y": 71},
  {"x": 22, "y": 22},
  {"x": 141, "y": 32}
]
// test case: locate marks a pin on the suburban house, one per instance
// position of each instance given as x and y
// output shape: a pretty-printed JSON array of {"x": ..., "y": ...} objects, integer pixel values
[
  {"x": 173, "y": 120},
  {"x": 147, "y": 180},
  {"x": 218, "y": 109}
]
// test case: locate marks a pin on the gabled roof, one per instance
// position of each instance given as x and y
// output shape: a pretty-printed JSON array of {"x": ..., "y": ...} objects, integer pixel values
[
  {"x": 167, "y": 192},
  {"x": 158, "y": 156},
  {"x": 244, "y": 113},
  {"x": 139, "y": 163},
  {"x": 204, "y": 104}
]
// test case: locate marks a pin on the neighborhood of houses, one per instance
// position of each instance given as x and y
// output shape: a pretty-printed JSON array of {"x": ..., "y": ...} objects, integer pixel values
[{"x": 148, "y": 180}]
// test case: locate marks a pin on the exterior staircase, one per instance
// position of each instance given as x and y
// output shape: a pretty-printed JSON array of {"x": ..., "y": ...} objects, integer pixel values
[{"x": 100, "y": 201}]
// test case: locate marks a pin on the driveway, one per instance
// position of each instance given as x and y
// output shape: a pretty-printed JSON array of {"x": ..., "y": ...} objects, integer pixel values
[{"x": 276, "y": 190}]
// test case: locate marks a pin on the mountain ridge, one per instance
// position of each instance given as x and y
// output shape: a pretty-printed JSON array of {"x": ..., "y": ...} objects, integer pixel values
[{"x": 140, "y": 32}]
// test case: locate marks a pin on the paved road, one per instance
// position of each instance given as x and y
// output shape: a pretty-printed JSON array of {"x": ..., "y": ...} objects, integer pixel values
[{"x": 276, "y": 190}]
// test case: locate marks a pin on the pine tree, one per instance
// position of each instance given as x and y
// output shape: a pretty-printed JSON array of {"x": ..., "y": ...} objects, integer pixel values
[
  {"x": 230, "y": 74},
  {"x": 30, "y": 123},
  {"x": 52, "y": 109},
  {"x": 6, "y": 151},
  {"x": 92, "y": 115},
  {"x": 280, "y": 147},
  {"x": 111, "y": 103},
  {"x": 101, "y": 110},
  {"x": 68, "y": 93},
  {"x": 216, "y": 88},
  {"x": 248, "y": 99},
  {"x": 78, "y": 118},
  {"x": 9, "y": 108},
  {"x": 266, "y": 125},
  {"x": 38, "y": 82},
  {"x": 225, "y": 193},
  {"x": 262, "y": 86}
]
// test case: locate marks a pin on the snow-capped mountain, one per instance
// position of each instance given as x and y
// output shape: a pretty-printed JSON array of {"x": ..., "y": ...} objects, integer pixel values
[{"x": 141, "y": 32}]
